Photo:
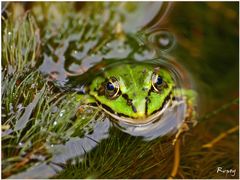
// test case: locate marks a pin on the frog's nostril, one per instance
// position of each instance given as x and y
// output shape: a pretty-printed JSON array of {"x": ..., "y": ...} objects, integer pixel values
[{"x": 134, "y": 108}]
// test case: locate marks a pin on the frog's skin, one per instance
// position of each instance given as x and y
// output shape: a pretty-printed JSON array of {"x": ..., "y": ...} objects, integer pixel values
[{"x": 140, "y": 92}]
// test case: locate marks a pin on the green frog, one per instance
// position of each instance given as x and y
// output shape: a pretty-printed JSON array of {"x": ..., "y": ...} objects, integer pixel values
[{"x": 143, "y": 98}]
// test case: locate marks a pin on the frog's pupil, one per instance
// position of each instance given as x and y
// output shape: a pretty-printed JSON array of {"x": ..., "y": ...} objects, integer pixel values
[
  {"x": 159, "y": 80},
  {"x": 110, "y": 86}
]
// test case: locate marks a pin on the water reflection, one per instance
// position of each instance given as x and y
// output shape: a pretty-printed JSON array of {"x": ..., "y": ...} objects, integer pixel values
[
  {"x": 74, "y": 147},
  {"x": 77, "y": 146},
  {"x": 81, "y": 45}
]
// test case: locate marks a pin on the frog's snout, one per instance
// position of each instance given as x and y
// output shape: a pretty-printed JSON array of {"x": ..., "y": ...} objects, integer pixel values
[{"x": 138, "y": 108}]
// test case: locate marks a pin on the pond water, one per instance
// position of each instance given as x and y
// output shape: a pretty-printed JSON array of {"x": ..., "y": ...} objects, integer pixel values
[{"x": 196, "y": 42}]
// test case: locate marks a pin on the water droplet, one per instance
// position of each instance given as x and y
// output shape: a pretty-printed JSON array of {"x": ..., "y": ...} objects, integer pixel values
[
  {"x": 162, "y": 39},
  {"x": 20, "y": 107},
  {"x": 38, "y": 157},
  {"x": 23, "y": 51},
  {"x": 33, "y": 86},
  {"x": 74, "y": 162},
  {"x": 61, "y": 113},
  {"x": 54, "y": 109},
  {"x": 11, "y": 107},
  {"x": 55, "y": 123},
  {"x": 9, "y": 33}
]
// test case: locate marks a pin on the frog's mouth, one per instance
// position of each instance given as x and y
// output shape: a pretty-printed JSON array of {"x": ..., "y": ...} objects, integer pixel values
[{"x": 137, "y": 121}]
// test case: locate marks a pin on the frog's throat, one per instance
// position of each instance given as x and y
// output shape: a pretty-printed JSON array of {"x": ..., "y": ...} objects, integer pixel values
[{"x": 139, "y": 121}]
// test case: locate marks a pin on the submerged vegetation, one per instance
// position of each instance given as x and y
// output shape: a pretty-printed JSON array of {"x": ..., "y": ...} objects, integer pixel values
[{"x": 39, "y": 119}]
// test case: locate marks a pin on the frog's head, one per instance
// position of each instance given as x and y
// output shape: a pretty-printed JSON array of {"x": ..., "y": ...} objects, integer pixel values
[{"x": 133, "y": 92}]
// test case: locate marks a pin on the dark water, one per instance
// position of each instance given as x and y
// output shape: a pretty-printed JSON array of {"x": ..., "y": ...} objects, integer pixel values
[{"x": 199, "y": 39}]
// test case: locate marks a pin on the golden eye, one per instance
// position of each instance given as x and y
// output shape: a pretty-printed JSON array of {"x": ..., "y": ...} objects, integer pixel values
[
  {"x": 112, "y": 88},
  {"x": 157, "y": 82}
]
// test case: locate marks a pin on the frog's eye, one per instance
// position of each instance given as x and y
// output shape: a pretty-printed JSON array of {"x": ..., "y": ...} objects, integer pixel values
[
  {"x": 157, "y": 82},
  {"x": 112, "y": 88}
]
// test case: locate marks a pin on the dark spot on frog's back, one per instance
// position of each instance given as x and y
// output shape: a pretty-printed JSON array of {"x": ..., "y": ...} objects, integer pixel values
[
  {"x": 165, "y": 85},
  {"x": 129, "y": 102},
  {"x": 144, "y": 89},
  {"x": 101, "y": 91},
  {"x": 146, "y": 104},
  {"x": 125, "y": 96}
]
